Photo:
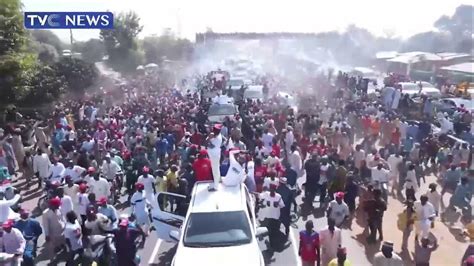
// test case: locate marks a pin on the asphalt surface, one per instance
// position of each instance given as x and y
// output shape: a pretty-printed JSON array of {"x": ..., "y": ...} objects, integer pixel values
[{"x": 448, "y": 234}]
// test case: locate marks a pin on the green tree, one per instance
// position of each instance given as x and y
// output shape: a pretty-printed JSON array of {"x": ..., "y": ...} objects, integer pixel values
[
  {"x": 120, "y": 42},
  {"x": 15, "y": 63},
  {"x": 46, "y": 85},
  {"x": 12, "y": 32},
  {"x": 166, "y": 46},
  {"x": 78, "y": 74}
]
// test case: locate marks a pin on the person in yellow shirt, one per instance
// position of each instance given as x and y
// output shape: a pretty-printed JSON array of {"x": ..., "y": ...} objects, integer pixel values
[
  {"x": 160, "y": 181},
  {"x": 341, "y": 259},
  {"x": 172, "y": 178},
  {"x": 470, "y": 231}
]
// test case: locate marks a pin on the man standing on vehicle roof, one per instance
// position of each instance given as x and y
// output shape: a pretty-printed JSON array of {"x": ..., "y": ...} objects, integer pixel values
[{"x": 214, "y": 150}]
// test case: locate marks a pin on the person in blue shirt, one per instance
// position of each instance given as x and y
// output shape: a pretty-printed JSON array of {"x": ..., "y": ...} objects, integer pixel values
[
  {"x": 408, "y": 145},
  {"x": 161, "y": 146},
  {"x": 31, "y": 230},
  {"x": 451, "y": 179},
  {"x": 171, "y": 141},
  {"x": 108, "y": 210},
  {"x": 462, "y": 198}
]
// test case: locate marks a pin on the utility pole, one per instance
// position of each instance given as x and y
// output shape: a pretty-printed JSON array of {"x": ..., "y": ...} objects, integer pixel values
[{"x": 71, "y": 39}]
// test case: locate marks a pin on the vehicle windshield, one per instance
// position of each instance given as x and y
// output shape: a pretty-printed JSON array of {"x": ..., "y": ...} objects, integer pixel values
[
  {"x": 253, "y": 94},
  {"x": 217, "y": 229},
  {"x": 235, "y": 82},
  {"x": 221, "y": 109},
  {"x": 411, "y": 87}
]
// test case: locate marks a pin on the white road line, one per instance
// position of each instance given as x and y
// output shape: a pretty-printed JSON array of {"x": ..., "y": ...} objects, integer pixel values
[
  {"x": 295, "y": 247},
  {"x": 155, "y": 252}
]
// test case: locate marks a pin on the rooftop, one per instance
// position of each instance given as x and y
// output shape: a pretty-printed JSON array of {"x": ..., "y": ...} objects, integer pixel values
[{"x": 223, "y": 199}]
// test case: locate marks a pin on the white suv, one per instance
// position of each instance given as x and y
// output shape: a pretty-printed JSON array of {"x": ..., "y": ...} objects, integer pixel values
[{"x": 213, "y": 228}]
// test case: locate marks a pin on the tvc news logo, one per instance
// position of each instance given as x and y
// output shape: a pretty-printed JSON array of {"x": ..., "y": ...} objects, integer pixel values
[{"x": 69, "y": 20}]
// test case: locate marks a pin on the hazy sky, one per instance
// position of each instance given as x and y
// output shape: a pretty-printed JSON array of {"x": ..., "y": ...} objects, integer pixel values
[{"x": 405, "y": 17}]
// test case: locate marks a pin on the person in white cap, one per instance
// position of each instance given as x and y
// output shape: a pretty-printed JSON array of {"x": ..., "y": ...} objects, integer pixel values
[
  {"x": 110, "y": 168},
  {"x": 426, "y": 214},
  {"x": 386, "y": 256},
  {"x": 214, "y": 151}
]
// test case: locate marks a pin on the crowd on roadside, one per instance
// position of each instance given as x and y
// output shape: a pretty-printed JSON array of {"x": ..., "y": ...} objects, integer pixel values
[{"x": 351, "y": 155}]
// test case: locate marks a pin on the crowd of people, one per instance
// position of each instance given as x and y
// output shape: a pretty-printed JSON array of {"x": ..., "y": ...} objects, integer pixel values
[{"x": 88, "y": 153}]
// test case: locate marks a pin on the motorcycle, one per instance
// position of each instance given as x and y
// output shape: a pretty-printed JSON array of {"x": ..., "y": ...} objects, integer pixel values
[{"x": 50, "y": 192}]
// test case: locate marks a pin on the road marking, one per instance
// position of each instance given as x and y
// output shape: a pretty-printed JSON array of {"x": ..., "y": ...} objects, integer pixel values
[
  {"x": 155, "y": 252},
  {"x": 295, "y": 247}
]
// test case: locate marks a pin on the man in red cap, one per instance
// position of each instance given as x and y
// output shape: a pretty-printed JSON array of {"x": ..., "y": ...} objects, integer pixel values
[
  {"x": 53, "y": 226},
  {"x": 13, "y": 241},
  {"x": 125, "y": 237},
  {"x": 338, "y": 209},
  {"x": 214, "y": 144},
  {"x": 202, "y": 167},
  {"x": 148, "y": 182},
  {"x": 83, "y": 201},
  {"x": 108, "y": 210},
  {"x": 139, "y": 206}
]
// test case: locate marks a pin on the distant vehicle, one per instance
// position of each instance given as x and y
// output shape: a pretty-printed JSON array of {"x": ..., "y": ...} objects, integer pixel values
[
  {"x": 413, "y": 89},
  {"x": 254, "y": 92},
  {"x": 450, "y": 105},
  {"x": 211, "y": 223},
  {"x": 218, "y": 112}
]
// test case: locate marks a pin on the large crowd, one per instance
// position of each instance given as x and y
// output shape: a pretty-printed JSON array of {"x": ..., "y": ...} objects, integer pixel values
[{"x": 352, "y": 153}]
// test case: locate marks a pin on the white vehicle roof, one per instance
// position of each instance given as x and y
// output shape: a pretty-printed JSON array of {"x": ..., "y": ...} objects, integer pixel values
[{"x": 222, "y": 200}]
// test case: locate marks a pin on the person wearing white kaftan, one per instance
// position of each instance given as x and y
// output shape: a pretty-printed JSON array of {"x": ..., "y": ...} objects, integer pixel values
[
  {"x": 330, "y": 239},
  {"x": 426, "y": 214},
  {"x": 148, "y": 182},
  {"x": 42, "y": 165},
  {"x": 214, "y": 150}
]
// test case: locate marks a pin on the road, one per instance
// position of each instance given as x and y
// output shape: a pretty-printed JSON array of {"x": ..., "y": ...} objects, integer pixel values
[{"x": 450, "y": 251}]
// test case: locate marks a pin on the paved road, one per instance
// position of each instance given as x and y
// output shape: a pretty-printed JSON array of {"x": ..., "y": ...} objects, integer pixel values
[{"x": 157, "y": 252}]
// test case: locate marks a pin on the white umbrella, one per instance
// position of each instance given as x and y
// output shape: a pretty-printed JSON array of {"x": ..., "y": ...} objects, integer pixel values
[{"x": 140, "y": 67}]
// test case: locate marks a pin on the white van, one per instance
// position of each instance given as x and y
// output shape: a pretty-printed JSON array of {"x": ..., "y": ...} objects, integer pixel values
[{"x": 215, "y": 228}]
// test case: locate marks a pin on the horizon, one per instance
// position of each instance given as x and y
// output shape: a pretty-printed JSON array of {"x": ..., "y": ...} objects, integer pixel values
[{"x": 186, "y": 18}]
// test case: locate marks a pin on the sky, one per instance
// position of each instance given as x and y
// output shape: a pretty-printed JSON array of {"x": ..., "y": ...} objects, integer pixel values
[{"x": 186, "y": 17}]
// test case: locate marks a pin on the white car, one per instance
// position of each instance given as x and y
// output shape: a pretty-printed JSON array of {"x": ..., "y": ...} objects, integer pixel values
[
  {"x": 213, "y": 228},
  {"x": 218, "y": 112},
  {"x": 413, "y": 89}
]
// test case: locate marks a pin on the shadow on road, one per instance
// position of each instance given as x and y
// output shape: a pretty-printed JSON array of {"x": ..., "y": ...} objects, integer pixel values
[{"x": 166, "y": 258}]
